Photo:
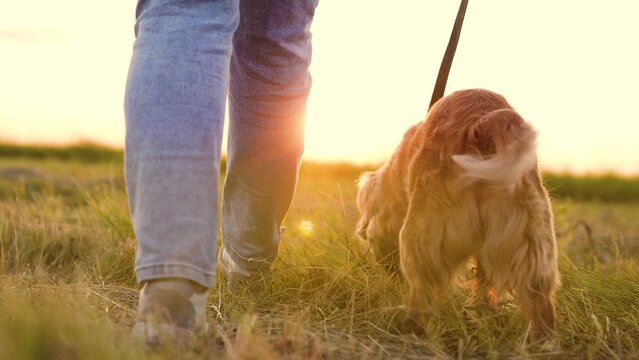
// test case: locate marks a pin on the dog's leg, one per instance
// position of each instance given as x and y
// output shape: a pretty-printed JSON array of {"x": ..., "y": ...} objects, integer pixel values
[
  {"x": 538, "y": 276},
  {"x": 433, "y": 242},
  {"x": 536, "y": 302},
  {"x": 425, "y": 270},
  {"x": 483, "y": 294}
]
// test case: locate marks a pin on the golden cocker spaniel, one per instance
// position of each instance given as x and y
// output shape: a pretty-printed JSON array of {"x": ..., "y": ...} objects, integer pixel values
[{"x": 464, "y": 185}]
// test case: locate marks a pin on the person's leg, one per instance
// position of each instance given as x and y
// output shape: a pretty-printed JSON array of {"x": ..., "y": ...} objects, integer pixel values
[
  {"x": 174, "y": 107},
  {"x": 269, "y": 86}
]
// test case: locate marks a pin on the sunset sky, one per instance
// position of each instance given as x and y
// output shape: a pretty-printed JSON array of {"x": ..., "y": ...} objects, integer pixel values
[{"x": 569, "y": 67}]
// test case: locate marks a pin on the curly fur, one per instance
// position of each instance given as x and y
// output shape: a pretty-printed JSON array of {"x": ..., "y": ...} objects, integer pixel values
[{"x": 464, "y": 185}]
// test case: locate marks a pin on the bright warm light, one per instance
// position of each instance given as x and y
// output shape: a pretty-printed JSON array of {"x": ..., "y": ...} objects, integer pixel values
[
  {"x": 306, "y": 227},
  {"x": 576, "y": 83},
  {"x": 63, "y": 70}
]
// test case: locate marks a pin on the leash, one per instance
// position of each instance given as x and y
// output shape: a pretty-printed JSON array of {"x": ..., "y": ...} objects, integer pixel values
[{"x": 447, "y": 61}]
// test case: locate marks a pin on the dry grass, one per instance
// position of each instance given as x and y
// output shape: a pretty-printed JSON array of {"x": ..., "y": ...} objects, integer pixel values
[{"x": 67, "y": 288}]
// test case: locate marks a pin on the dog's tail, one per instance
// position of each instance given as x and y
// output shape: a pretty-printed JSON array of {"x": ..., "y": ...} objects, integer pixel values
[{"x": 506, "y": 146}]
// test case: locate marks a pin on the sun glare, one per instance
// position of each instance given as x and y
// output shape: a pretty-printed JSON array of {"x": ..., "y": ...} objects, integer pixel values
[
  {"x": 63, "y": 75},
  {"x": 306, "y": 227}
]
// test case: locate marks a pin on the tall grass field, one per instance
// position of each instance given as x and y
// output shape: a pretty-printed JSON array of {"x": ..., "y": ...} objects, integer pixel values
[{"x": 68, "y": 290}]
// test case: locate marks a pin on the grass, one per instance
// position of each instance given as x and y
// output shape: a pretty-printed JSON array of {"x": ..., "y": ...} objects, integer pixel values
[
  {"x": 606, "y": 187},
  {"x": 83, "y": 152},
  {"x": 67, "y": 288}
]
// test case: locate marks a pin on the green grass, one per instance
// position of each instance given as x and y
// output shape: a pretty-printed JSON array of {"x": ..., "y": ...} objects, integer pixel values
[
  {"x": 606, "y": 187},
  {"x": 67, "y": 288},
  {"x": 84, "y": 152}
]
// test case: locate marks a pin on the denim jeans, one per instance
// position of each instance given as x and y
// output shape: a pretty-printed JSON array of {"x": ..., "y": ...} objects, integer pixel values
[{"x": 187, "y": 57}]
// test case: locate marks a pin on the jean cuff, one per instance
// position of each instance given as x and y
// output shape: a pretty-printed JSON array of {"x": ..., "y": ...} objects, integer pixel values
[
  {"x": 175, "y": 270},
  {"x": 250, "y": 265}
]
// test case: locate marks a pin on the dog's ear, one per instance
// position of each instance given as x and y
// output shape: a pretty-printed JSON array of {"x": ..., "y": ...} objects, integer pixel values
[
  {"x": 365, "y": 178},
  {"x": 360, "y": 228},
  {"x": 365, "y": 201}
]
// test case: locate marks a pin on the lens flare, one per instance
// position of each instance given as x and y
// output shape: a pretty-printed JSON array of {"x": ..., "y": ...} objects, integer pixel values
[{"x": 306, "y": 227}]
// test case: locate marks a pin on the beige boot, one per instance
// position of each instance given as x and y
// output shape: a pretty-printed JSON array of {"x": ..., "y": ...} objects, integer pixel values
[{"x": 170, "y": 311}]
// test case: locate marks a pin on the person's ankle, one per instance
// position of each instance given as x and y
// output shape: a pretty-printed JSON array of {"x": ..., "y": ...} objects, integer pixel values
[{"x": 237, "y": 278}]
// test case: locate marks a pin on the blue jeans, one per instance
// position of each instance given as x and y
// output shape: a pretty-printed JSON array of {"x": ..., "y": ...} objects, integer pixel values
[{"x": 187, "y": 56}]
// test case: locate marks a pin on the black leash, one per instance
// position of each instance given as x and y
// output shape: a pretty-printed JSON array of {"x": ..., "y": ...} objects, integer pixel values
[{"x": 447, "y": 61}]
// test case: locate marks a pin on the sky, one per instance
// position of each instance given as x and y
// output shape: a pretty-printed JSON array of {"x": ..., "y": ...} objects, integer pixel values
[{"x": 569, "y": 67}]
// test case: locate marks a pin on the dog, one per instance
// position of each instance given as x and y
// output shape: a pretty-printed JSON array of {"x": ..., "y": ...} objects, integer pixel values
[{"x": 462, "y": 186}]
